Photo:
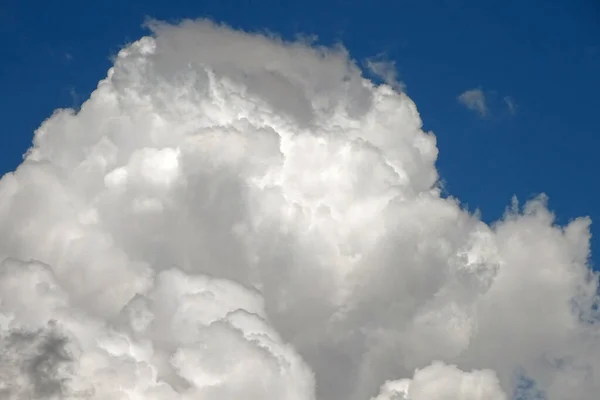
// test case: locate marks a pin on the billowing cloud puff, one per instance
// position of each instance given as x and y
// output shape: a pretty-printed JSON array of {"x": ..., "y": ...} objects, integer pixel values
[
  {"x": 444, "y": 382},
  {"x": 231, "y": 215},
  {"x": 188, "y": 337}
]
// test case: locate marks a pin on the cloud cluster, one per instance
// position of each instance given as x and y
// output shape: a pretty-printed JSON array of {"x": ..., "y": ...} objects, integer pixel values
[
  {"x": 231, "y": 215},
  {"x": 187, "y": 337}
]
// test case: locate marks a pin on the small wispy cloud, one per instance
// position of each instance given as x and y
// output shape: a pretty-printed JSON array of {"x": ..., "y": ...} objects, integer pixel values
[
  {"x": 474, "y": 99},
  {"x": 386, "y": 70},
  {"x": 510, "y": 103},
  {"x": 75, "y": 98}
]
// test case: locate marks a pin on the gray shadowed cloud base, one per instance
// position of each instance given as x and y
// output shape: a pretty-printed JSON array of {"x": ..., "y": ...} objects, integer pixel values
[
  {"x": 33, "y": 364},
  {"x": 234, "y": 216}
]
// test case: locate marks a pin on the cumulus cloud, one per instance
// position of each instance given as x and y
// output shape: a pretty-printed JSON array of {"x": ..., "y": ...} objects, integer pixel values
[
  {"x": 232, "y": 215},
  {"x": 441, "y": 381},
  {"x": 474, "y": 99}
]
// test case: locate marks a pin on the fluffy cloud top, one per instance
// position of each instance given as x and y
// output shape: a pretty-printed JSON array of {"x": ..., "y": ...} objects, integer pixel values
[
  {"x": 443, "y": 382},
  {"x": 230, "y": 215}
]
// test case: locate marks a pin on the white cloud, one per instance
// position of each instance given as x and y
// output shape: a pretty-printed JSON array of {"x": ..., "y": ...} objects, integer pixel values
[
  {"x": 474, "y": 99},
  {"x": 444, "y": 382},
  {"x": 231, "y": 215}
]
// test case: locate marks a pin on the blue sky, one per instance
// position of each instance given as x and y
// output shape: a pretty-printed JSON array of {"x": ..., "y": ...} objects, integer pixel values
[{"x": 544, "y": 55}]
